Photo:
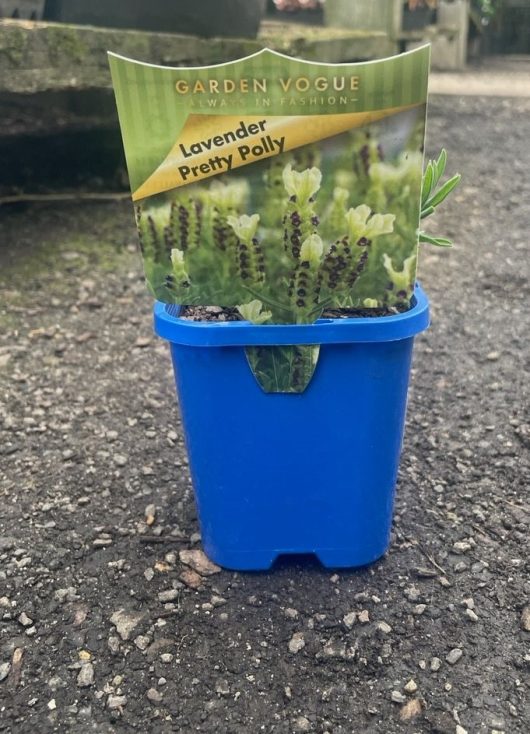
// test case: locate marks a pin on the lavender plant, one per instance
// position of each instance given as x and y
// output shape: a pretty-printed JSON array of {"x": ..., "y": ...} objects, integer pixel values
[{"x": 345, "y": 239}]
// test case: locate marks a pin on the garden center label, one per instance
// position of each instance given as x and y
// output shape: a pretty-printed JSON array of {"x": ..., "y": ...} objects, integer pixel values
[{"x": 278, "y": 186}]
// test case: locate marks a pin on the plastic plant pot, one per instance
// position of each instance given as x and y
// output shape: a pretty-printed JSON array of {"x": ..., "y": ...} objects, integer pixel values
[{"x": 313, "y": 472}]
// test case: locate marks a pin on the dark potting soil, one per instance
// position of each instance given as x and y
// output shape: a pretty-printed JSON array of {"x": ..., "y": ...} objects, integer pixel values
[
  {"x": 219, "y": 313},
  {"x": 104, "y": 626}
]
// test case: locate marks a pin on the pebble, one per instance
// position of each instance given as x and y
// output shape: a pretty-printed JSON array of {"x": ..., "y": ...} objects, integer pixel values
[
  {"x": 4, "y": 670},
  {"x": 297, "y": 642},
  {"x": 64, "y": 595},
  {"x": 154, "y": 695},
  {"x": 411, "y": 686},
  {"x": 116, "y": 702},
  {"x": 120, "y": 459},
  {"x": 52, "y": 704},
  {"x": 471, "y": 615},
  {"x": 419, "y": 609},
  {"x": 222, "y": 688},
  {"x": 454, "y": 655},
  {"x": 384, "y": 627},
  {"x": 291, "y": 613},
  {"x": 126, "y": 621},
  {"x": 436, "y": 664},
  {"x": 142, "y": 642},
  {"x": 349, "y": 619},
  {"x": 166, "y": 657},
  {"x": 410, "y": 709},
  {"x": 24, "y": 620},
  {"x": 191, "y": 578},
  {"x": 493, "y": 356},
  {"x": 460, "y": 729},
  {"x": 398, "y": 697},
  {"x": 150, "y": 514},
  {"x": 85, "y": 677},
  {"x": 364, "y": 616},
  {"x": 217, "y": 601},
  {"x": 302, "y": 724},
  {"x": 525, "y": 619},
  {"x": 114, "y": 644},
  {"x": 149, "y": 574},
  {"x": 199, "y": 561},
  {"x": 168, "y": 595}
]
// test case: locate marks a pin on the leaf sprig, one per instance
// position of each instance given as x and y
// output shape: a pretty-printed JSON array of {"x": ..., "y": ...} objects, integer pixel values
[{"x": 432, "y": 196}]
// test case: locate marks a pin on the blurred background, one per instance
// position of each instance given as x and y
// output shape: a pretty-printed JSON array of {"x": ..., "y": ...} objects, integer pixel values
[{"x": 59, "y": 130}]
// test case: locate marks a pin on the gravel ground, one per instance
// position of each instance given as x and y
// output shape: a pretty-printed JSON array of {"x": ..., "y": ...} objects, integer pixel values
[{"x": 110, "y": 620}]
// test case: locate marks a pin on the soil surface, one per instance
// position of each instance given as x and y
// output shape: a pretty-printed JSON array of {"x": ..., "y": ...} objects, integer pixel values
[{"x": 105, "y": 625}]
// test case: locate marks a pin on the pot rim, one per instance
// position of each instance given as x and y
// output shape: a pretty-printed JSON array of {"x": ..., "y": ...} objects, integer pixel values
[{"x": 367, "y": 329}]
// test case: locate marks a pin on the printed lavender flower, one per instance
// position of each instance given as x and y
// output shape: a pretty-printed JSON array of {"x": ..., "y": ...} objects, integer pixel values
[
  {"x": 151, "y": 224},
  {"x": 225, "y": 200},
  {"x": 300, "y": 219},
  {"x": 250, "y": 260},
  {"x": 401, "y": 282},
  {"x": 184, "y": 228},
  {"x": 304, "y": 285},
  {"x": 178, "y": 278}
]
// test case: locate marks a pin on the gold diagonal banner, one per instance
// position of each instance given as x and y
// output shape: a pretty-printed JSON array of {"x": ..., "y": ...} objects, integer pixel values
[{"x": 213, "y": 144}]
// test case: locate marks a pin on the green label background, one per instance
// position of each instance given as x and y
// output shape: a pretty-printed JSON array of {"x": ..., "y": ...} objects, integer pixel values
[{"x": 152, "y": 113}]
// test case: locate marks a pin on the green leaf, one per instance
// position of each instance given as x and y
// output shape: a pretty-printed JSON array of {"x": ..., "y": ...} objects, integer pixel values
[
  {"x": 439, "y": 167},
  {"x": 443, "y": 191},
  {"x": 427, "y": 182},
  {"x": 426, "y": 212},
  {"x": 438, "y": 241}
]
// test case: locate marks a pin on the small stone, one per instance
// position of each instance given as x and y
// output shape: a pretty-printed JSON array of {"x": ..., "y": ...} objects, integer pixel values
[
  {"x": 454, "y": 655},
  {"x": 24, "y": 620},
  {"x": 126, "y": 621},
  {"x": 471, "y": 615},
  {"x": 398, "y": 697},
  {"x": 101, "y": 542},
  {"x": 154, "y": 695},
  {"x": 493, "y": 356},
  {"x": 4, "y": 670},
  {"x": 460, "y": 729},
  {"x": 199, "y": 561},
  {"x": 436, "y": 664},
  {"x": 302, "y": 724},
  {"x": 116, "y": 702},
  {"x": 349, "y": 619},
  {"x": 191, "y": 578},
  {"x": 297, "y": 642},
  {"x": 410, "y": 710},
  {"x": 142, "y": 642},
  {"x": 217, "y": 601},
  {"x": 168, "y": 595},
  {"x": 525, "y": 619},
  {"x": 114, "y": 644},
  {"x": 51, "y": 704},
  {"x": 419, "y": 609},
  {"x": 150, "y": 514},
  {"x": 222, "y": 688},
  {"x": 84, "y": 656},
  {"x": 384, "y": 627},
  {"x": 334, "y": 579},
  {"x": 364, "y": 616},
  {"x": 149, "y": 574},
  {"x": 411, "y": 686},
  {"x": 412, "y": 593},
  {"x": 120, "y": 459},
  {"x": 291, "y": 613},
  {"x": 85, "y": 677},
  {"x": 166, "y": 657},
  {"x": 64, "y": 595}
]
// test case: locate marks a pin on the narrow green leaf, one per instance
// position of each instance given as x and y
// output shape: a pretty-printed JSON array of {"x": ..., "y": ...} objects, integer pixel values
[
  {"x": 426, "y": 212},
  {"x": 438, "y": 241},
  {"x": 427, "y": 182},
  {"x": 443, "y": 191},
  {"x": 440, "y": 166}
]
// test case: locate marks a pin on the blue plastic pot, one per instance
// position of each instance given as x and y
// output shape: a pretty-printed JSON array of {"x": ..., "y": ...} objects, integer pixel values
[{"x": 294, "y": 473}]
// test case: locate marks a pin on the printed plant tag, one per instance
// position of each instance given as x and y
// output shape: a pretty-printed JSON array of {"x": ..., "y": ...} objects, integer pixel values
[{"x": 278, "y": 186}]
